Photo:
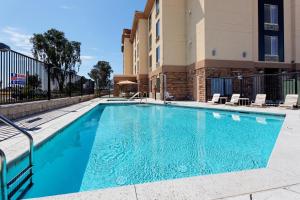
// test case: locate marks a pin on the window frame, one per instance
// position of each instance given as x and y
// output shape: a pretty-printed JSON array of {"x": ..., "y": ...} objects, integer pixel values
[
  {"x": 157, "y": 7},
  {"x": 157, "y": 55},
  {"x": 157, "y": 31}
]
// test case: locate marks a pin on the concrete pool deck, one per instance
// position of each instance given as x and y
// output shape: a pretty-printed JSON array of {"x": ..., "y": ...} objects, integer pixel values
[{"x": 280, "y": 180}]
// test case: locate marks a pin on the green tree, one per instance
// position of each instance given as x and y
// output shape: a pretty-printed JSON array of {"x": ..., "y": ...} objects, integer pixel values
[
  {"x": 101, "y": 73},
  {"x": 53, "y": 48},
  {"x": 34, "y": 81}
]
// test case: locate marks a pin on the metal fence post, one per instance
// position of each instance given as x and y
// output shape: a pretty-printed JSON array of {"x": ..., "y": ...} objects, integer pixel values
[
  {"x": 81, "y": 86},
  {"x": 49, "y": 81},
  {"x": 70, "y": 88},
  {"x": 296, "y": 85}
]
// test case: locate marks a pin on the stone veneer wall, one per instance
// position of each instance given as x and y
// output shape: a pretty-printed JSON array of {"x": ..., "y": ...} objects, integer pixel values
[
  {"x": 204, "y": 87},
  {"x": 143, "y": 83},
  {"x": 177, "y": 85},
  {"x": 182, "y": 82},
  {"x": 15, "y": 111}
]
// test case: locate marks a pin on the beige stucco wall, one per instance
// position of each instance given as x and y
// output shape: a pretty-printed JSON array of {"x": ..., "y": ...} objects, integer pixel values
[
  {"x": 192, "y": 29},
  {"x": 140, "y": 48},
  {"x": 229, "y": 29},
  {"x": 143, "y": 46},
  {"x": 174, "y": 35},
  {"x": 127, "y": 57},
  {"x": 195, "y": 31}
]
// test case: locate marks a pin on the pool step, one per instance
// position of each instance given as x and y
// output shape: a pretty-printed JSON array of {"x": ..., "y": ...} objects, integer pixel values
[{"x": 19, "y": 181}]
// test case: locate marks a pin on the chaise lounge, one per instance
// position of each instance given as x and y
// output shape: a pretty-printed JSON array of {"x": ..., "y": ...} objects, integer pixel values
[
  {"x": 215, "y": 99},
  {"x": 234, "y": 100},
  {"x": 260, "y": 100},
  {"x": 290, "y": 102}
]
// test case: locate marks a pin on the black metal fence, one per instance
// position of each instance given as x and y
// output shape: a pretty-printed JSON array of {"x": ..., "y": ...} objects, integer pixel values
[
  {"x": 24, "y": 79},
  {"x": 275, "y": 86}
]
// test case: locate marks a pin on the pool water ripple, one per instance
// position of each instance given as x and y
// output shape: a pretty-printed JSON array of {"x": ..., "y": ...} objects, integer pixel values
[{"x": 118, "y": 145}]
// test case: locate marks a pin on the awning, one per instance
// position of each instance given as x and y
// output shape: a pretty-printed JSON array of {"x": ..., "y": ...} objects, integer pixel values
[{"x": 127, "y": 83}]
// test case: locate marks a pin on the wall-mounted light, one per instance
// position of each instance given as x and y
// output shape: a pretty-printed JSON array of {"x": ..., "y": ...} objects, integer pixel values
[
  {"x": 4, "y": 47},
  {"x": 214, "y": 52},
  {"x": 244, "y": 54}
]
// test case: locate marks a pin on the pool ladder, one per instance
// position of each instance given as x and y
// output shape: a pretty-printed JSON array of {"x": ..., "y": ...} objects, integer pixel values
[{"x": 13, "y": 187}]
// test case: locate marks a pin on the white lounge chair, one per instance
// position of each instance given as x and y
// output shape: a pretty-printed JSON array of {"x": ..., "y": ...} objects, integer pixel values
[
  {"x": 215, "y": 99},
  {"x": 234, "y": 100},
  {"x": 260, "y": 100},
  {"x": 290, "y": 102},
  {"x": 169, "y": 97}
]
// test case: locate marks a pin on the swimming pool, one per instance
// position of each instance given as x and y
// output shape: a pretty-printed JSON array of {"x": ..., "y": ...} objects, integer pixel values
[{"x": 116, "y": 145}]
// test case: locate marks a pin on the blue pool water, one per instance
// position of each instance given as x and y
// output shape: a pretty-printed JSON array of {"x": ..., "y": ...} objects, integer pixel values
[{"x": 119, "y": 145}]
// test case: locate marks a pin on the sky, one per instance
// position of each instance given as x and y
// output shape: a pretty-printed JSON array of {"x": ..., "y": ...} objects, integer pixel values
[{"x": 97, "y": 24}]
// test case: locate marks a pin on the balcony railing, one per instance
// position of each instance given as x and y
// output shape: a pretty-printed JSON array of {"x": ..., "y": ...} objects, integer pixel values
[
  {"x": 271, "y": 58},
  {"x": 271, "y": 26}
]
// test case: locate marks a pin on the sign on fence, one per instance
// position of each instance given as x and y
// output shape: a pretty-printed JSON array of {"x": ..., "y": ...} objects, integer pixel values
[{"x": 18, "y": 79}]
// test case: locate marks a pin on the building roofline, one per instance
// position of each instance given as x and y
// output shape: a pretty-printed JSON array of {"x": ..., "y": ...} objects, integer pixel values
[
  {"x": 130, "y": 33},
  {"x": 137, "y": 16},
  {"x": 148, "y": 7}
]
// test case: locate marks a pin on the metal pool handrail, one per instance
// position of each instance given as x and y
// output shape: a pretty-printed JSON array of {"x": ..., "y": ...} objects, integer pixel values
[{"x": 3, "y": 168}]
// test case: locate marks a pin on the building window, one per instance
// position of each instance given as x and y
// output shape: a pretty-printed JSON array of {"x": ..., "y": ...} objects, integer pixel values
[
  {"x": 221, "y": 86},
  {"x": 157, "y": 7},
  {"x": 271, "y": 17},
  {"x": 271, "y": 31},
  {"x": 138, "y": 48},
  {"x": 137, "y": 67},
  {"x": 158, "y": 85},
  {"x": 271, "y": 48},
  {"x": 157, "y": 30},
  {"x": 150, "y": 22},
  {"x": 150, "y": 61},
  {"x": 157, "y": 55},
  {"x": 150, "y": 42}
]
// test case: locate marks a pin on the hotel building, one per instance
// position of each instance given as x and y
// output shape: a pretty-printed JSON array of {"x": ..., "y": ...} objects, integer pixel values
[{"x": 175, "y": 45}]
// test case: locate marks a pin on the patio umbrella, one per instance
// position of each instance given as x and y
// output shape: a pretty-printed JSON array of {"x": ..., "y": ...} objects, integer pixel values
[{"x": 127, "y": 83}]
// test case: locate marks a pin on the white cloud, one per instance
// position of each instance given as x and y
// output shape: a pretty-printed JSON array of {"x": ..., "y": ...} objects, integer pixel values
[
  {"x": 18, "y": 39},
  {"x": 65, "y": 7},
  {"x": 87, "y": 58}
]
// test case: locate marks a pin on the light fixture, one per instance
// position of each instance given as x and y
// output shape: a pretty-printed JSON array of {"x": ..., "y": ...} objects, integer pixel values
[
  {"x": 244, "y": 54},
  {"x": 214, "y": 52},
  {"x": 4, "y": 47}
]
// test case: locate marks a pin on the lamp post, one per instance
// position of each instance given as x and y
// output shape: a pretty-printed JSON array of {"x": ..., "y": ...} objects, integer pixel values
[{"x": 4, "y": 47}]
